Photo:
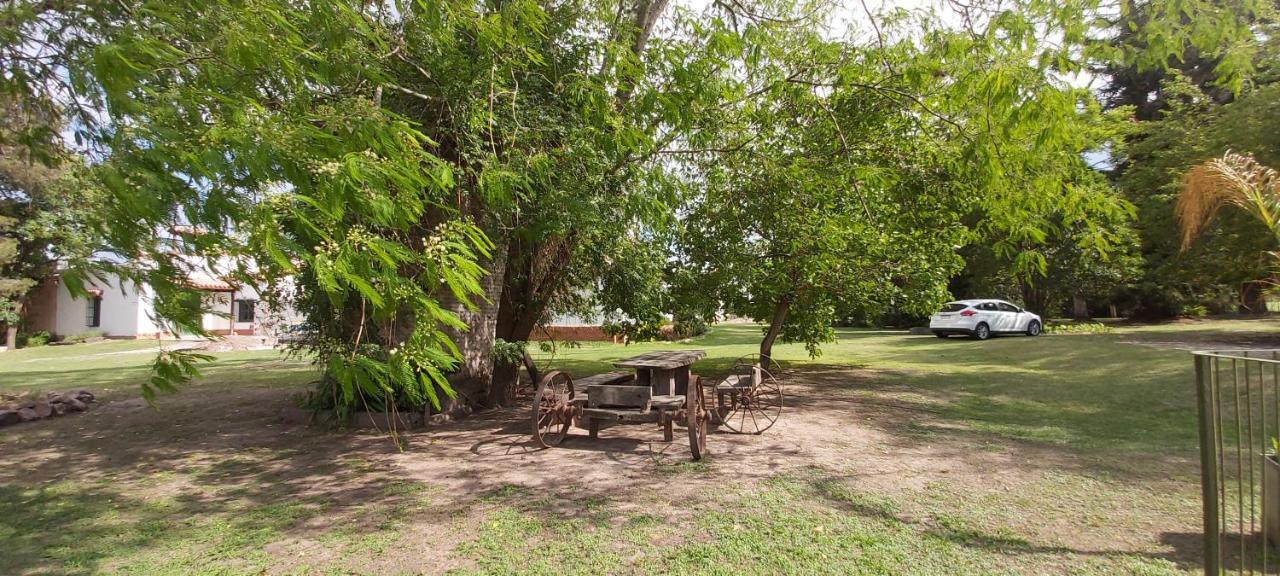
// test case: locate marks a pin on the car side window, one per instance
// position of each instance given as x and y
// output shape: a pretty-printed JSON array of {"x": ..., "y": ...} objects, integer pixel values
[
  {"x": 987, "y": 306},
  {"x": 1007, "y": 307}
]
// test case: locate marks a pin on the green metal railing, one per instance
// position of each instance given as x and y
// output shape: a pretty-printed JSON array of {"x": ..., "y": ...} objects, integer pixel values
[{"x": 1238, "y": 394}]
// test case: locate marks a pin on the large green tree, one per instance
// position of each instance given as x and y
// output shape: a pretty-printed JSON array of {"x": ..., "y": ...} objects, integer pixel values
[
  {"x": 435, "y": 175},
  {"x": 850, "y": 187},
  {"x": 45, "y": 205}
]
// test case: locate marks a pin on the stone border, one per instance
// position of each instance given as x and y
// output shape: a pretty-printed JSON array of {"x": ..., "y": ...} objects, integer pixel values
[{"x": 53, "y": 404}]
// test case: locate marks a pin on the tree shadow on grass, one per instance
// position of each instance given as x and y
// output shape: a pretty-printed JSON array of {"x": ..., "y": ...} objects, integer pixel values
[
  {"x": 205, "y": 483},
  {"x": 1091, "y": 434},
  {"x": 833, "y": 489},
  {"x": 223, "y": 519}
]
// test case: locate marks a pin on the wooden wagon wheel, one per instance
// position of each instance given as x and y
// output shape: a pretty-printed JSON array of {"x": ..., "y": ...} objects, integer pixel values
[
  {"x": 752, "y": 399},
  {"x": 552, "y": 410},
  {"x": 696, "y": 417}
]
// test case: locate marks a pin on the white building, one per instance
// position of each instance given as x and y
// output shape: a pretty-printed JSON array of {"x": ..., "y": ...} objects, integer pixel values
[{"x": 125, "y": 310}]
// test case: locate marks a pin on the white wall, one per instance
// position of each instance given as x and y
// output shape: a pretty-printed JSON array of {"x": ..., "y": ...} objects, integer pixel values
[
  {"x": 219, "y": 303},
  {"x": 119, "y": 309},
  {"x": 146, "y": 309}
]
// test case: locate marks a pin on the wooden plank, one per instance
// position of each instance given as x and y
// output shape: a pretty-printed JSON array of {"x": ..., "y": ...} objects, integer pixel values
[
  {"x": 664, "y": 360},
  {"x": 619, "y": 415},
  {"x": 662, "y": 381},
  {"x": 734, "y": 381},
  {"x": 606, "y": 378},
  {"x": 613, "y": 395},
  {"x": 671, "y": 401}
]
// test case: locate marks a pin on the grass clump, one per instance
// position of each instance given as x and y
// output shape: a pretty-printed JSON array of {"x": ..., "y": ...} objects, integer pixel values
[{"x": 1084, "y": 327}]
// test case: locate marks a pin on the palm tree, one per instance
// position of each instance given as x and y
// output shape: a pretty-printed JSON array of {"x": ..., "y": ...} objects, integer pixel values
[{"x": 1232, "y": 180}]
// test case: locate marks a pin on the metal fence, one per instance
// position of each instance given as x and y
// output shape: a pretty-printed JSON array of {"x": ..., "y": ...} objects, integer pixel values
[{"x": 1238, "y": 393}]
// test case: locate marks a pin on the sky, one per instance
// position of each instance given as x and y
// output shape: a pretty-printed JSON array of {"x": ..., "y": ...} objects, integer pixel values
[{"x": 850, "y": 18}]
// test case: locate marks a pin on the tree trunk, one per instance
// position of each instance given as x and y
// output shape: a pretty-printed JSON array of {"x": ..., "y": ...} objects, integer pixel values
[
  {"x": 775, "y": 328},
  {"x": 472, "y": 377},
  {"x": 1079, "y": 308},
  {"x": 1253, "y": 298},
  {"x": 11, "y": 336},
  {"x": 531, "y": 368},
  {"x": 535, "y": 273},
  {"x": 644, "y": 18},
  {"x": 1035, "y": 299}
]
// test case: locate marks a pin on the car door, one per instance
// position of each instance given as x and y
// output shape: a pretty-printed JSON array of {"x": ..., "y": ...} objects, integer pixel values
[
  {"x": 988, "y": 312},
  {"x": 1011, "y": 318}
]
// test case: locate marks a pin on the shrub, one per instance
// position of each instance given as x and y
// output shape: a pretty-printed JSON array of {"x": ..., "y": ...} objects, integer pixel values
[
  {"x": 634, "y": 331},
  {"x": 1193, "y": 311},
  {"x": 34, "y": 339},
  {"x": 84, "y": 336},
  {"x": 1077, "y": 328},
  {"x": 688, "y": 328}
]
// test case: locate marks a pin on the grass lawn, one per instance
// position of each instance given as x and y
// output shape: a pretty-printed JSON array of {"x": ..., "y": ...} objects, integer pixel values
[{"x": 895, "y": 455}]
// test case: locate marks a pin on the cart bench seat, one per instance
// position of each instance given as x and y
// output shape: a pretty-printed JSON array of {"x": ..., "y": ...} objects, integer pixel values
[
  {"x": 734, "y": 382},
  {"x": 580, "y": 397}
]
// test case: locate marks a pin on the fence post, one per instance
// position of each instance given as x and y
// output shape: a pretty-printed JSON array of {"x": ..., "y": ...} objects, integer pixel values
[{"x": 1208, "y": 468}]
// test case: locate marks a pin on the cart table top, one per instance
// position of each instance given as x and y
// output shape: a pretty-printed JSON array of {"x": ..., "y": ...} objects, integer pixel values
[{"x": 663, "y": 360}]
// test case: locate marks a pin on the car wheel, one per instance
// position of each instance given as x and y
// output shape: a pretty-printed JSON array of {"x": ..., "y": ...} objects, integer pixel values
[
  {"x": 982, "y": 331},
  {"x": 1033, "y": 329}
]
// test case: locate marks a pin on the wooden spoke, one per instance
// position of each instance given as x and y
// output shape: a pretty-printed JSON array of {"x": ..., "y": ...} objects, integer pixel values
[{"x": 552, "y": 410}]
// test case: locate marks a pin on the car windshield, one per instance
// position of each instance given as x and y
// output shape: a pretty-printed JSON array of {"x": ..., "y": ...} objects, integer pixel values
[{"x": 953, "y": 307}]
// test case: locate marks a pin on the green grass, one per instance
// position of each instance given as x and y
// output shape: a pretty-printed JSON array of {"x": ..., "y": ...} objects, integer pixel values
[
  {"x": 806, "y": 522},
  {"x": 117, "y": 367},
  {"x": 1084, "y": 391},
  {"x": 1099, "y": 435}
]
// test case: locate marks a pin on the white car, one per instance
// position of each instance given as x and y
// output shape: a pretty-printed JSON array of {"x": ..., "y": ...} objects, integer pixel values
[{"x": 982, "y": 318}]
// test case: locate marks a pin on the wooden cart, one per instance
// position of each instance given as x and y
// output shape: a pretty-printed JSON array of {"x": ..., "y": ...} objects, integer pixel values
[{"x": 662, "y": 390}]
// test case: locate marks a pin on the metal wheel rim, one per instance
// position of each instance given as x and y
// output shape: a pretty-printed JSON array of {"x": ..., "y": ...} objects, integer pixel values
[
  {"x": 552, "y": 416},
  {"x": 983, "y": 332},
  {"x": 696, "y": 419},
  {"x": 1035, "y": 328},
  {"x": 753, "y": 359},
  {"x": 755, "y": 409}
]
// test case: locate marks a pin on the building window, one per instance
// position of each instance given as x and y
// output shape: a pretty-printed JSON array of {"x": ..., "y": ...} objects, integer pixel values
[
  {"x": 93, "y": 312},
  {"x": 244, "y": 310}
]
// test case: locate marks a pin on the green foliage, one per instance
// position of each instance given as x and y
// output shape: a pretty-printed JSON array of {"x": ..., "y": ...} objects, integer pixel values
[
  {"x": 844, "y": 184},
  {"x": 1193, "y": 311},
  {"x": 260, "y": 130},
  {"x": 688, "y": 327},
  {"x": 380, "y": 154},
  {"x": 508, "y": 352},
  {"x": 171, "y": 366},
  {"x": 1231, "y": 251},
  {"x": 35, "y": 339},
  {"x": 1077, "y": 328},
  {"x": 10, "y": 312},
  {"x": 633, "y": 330}
]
